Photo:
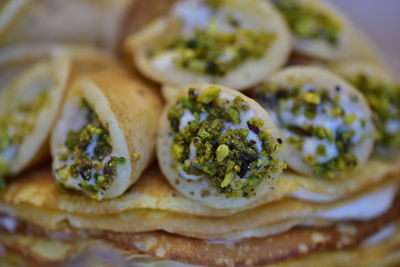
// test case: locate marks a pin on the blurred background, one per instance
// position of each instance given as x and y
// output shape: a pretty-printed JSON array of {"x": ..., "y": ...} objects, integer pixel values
[
  {"x": 380, "y": 20},
  {"x": 103, "y": 22}
]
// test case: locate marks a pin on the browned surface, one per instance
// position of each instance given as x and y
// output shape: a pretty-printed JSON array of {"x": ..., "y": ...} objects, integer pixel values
[{"x": 253, "y": 251}]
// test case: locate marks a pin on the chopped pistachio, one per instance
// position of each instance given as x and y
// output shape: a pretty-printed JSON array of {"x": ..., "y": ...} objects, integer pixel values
[
  {"x": 216, "y": 53},
  {"x": 384, "y": 100},
  {"x": 233, "y": 114},
  {"x": 349, "y": 119},
  {"x": 89, "y": 156},
  {"x": 321, "y": 150},
  {"x": 19, "y": 122},
  {"x": 209, "y": 95},
  {"x": 310, "y": 98},
  {"x": 239, "y": 103},
  {"x": 302, "y": 105},
  {"x": 223, "y": 154},
  {"x": 227, "y": 179},
  {"x": 308, "y": 22}
]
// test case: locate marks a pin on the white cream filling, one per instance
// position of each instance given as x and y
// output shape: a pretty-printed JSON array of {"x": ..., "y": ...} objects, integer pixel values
[
  {"x": 305, "y": 195},
  {"x": 366, "y": 207},
  {"x": 325, "y": 120},
  {"x": 75, "y": 120},
  {"x": 9, "y": 153},
  {"x": 10, "y": 224},
  {"x": 164, "y": 60},
  {"x": 244, "y": 117},
  {"x": 185, "y": 119},
  {"x": 193, "y": 14},
  {"x": 392, "y": 126}
]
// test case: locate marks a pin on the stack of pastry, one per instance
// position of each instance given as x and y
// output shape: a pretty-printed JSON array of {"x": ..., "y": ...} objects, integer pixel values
[{"x": 268, "y": 134}]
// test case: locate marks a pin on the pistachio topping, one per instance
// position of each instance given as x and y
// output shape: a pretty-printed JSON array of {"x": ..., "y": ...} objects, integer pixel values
[
  {"x": 212, "y": 40},
  {"x": 217, "y": 53},
  {"x": 308, "y": 22},
  {"x": 15, "y": 125},
  {"x": 324, "y": 125},
  {"x": 88, "y": 163},
  {"x": 216, "y": 137},
  {"x": 384, "y": 100}
]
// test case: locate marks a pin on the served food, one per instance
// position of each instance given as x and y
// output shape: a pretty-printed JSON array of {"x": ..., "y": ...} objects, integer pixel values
[
  {"x": 106, "y": 134},
  {"x": 230, "y": 42},
  {"x": 294, "y": 177},
  {"x": 53, "y": 21},
  {"x": 383, "y": 95},
  {"x": 29, "y": 106},
  {"x": 321, "y": 31},
  {"x": 326, "y": 123},
  {"x": 218, "y": 146}
]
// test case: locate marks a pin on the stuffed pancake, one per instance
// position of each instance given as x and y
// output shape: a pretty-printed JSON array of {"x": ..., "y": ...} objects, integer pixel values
[{"x": 231, "y": 42}]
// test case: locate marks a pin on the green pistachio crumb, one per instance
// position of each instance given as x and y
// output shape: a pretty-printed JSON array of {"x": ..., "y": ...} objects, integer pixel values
[
  {"x": 308, "y": 22},
  {"x": 321, "y": 150},
  {"x": 233, "y": 114},
  {"x": 304, "y": 104},
  {"x": 92, "y": 164},
  {"x": 216, "y": 53},
  {"x": 256, "y": 122},
  {"x": 224, "y": 155},
  {"x": 310, "y": 98},
  {"x": 227, "y": 179},
  {"x": 209, "y": 94},
  {"x": 239, "y": 103},
  {"x": 384, "y": 100},
  {"x": 349, "y": 119},
  {"x": 222, "y": 152}
]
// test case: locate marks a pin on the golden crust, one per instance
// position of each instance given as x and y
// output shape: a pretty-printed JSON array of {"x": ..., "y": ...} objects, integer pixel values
[
  {"x": 297, "y": 242},
  {"x": 153, "y": 205},
  {"x": 130, "y": 109},
  {"x": 152, "y": 191},
  {"x": 247, "y": 74}
]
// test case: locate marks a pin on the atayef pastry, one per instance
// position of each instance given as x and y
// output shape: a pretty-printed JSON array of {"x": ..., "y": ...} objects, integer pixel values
[
  {"x": 325, "y": 122},
  {"x": 29, "y": 105},
  {"x": 53, "y": 21},
  {"x": 106, "y": 135},
  {"x": 229, "y": 42},
  {"x": 218, "y": 147},
  {"x": 321, "y": 31},
  {"x": 383, "y": 95}
]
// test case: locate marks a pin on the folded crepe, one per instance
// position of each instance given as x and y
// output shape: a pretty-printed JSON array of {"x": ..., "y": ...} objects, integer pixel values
[
  {"x": 285, "y": 247},
  {"x": 79, "y": 21},
  {"x": 29, "y": 105},
  {"x": 106, "y": 134},
  {"x": 231, "y": 42},
  {"x": 326, "y": 123},
  {"x": 33, "y": 81},
  {"x": 321, "y": 31},
  {"x": 218, "y": 146},
  {"x": 154, "y": 205},
  {"x": 382, "y": 92}
]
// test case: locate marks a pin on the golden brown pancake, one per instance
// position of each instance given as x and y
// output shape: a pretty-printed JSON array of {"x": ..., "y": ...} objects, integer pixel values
[{"x": 300, "y": 241}]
